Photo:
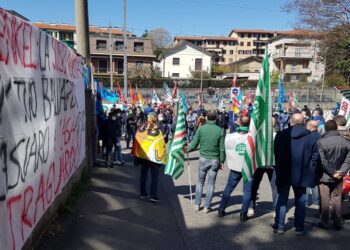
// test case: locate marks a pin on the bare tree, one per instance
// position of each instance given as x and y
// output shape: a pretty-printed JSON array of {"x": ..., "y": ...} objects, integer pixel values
[
  {"x": 332, "y": 19},
  {"x": 319, "y": 15},
  {"x": 161, "y": 38}
]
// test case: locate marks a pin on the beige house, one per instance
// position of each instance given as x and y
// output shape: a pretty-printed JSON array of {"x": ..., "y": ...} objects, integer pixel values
[
  {"x": 247, "y": 68},
  {"x": 296, "y": 57},
  {"x": 222, "y": 48}
]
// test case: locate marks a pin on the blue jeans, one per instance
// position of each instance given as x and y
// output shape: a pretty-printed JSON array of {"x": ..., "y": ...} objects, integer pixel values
[
  {"x": 117, "y": 151},
  {"x": 281, "y": 207},
  {"x": 210, "y": 167},
  {"x": 233, "y": 179},
  {"x": 190, "y": 134},
  {"x": 154, "y": 180}
]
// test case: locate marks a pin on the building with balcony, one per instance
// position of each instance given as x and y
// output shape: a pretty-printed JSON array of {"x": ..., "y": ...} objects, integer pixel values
[
  {"x": 67, "y": 33},
  {"x": 183, "y": 60},
  {"x": 247, "y": 68},
  {"x": 139, "y": 51},
  {"x": 251, "y": 42},
  {"x": 296, "y": 57},
  {"x": 222, "y": 48}
]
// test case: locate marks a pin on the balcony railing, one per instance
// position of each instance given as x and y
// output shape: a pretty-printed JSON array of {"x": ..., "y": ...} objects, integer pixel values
[
  {"x": 303, "y": 55},
  {"x": 102, "y": 70},
  {"x": 297, "y": 71}
]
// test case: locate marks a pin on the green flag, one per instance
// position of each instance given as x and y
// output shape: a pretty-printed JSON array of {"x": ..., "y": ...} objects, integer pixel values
[
  {"x": 176, "y": 156},
  {"x": 259, "y": 150}
]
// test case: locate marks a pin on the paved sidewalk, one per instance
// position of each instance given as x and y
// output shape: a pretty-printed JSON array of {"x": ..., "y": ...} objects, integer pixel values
[{"x": 110, "y": 215}]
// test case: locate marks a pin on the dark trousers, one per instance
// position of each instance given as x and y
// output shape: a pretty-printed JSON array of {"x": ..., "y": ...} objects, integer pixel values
[
  {"x": 257, "y": 177},
  {"x": 154, "y": 180},
  {"x": 331, "y": 192}
]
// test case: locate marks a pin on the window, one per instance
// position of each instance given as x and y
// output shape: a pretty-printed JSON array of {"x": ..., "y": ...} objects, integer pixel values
[
  {"x": 210, "y": 42},
  {"x": 249, "y": 35},
  {"x": 175, "y": 75},
  {"x": 298, "y": 51},
  {"x": 102, "y": 66},
  {"x": 242, "y": 44},
  {"x": 231, "y": 43},
  {"x": 176, "y": 61},
  {"x": 242, "y": 35},
  {"x": 225, "y": 43},
  {"x": 139, "y": 64},
  {"x": 138, "y": 46},
  {"x": 240, "y": 52},
  {"x": 198, "y": 64},
  {"x": 231, "y": 52},
  {"x": 224, "y": 51},
  {"x": 248, "y": 44},
  {"x": 101, "y": 44},
  {"x": 263, "y": 35},
  {"x": 119, "y": 45}
]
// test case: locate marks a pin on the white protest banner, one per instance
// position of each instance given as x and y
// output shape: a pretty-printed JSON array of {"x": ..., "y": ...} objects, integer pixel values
[
  {"x": 344, "y": 107},
  {"x": 42, "y": 121}
]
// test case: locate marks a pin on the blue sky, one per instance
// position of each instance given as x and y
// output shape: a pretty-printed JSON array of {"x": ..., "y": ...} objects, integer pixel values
[{"x": 179, "y": 17}]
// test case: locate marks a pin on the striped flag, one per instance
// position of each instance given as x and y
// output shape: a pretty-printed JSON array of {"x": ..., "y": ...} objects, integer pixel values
[
  {"x": 234, "y": 79},
  {"x": 167, "y": 93},
  {"x": 259, "y": 150},
  {"x": 293, "y": 100},
  {"x": 176, "y": 156}
]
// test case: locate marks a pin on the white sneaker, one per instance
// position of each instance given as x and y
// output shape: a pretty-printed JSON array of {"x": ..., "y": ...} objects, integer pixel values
[
  {"x": 206, "y": 210},
  {"x": 196, "y": 207},
  {"x": 250, "y": 212},
  {"x": 274, "y": 214}
]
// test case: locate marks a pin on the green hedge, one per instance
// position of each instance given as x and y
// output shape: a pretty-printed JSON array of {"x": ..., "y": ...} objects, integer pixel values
[{"x": 187, "y": 83}]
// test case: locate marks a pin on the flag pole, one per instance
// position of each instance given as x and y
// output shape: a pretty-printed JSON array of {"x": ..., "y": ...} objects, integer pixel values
[{"x": 189, "y": 177}]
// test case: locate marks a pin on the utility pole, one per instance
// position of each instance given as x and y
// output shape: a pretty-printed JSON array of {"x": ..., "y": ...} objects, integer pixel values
[
  {"x": 82, "y": 29},
  {"x": 125, "y": 53},
  {"x": 110, "y": 56},
  {"x": 83, "y": 48},
  {"x": 202, "y": 95}
]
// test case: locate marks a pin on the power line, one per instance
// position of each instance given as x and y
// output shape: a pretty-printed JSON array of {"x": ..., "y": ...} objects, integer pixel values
[{"x": 229, "y": 5}]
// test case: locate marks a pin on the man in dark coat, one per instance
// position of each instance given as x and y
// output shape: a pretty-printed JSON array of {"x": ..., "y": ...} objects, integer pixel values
[
  {"x": 300, "y": 158},
  {"x": 111, "y": 135},
  {"x": 335, "y": 156}
]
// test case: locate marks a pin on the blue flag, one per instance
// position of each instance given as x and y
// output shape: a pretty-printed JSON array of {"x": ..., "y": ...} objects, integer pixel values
[
  {"x": 280, "y": 95},
  {"x": 184, "y": 101},
  {"x": 99, "y": 106},
  {"x": 108, "y": 95},
  {"x": 239, "y": 98}
]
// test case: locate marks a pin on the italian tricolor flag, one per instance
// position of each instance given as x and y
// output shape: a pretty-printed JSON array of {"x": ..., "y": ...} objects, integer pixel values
[{"x": 259, "y": 150}]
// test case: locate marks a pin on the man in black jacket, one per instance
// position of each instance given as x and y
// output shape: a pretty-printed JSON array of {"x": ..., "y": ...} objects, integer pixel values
[
  {"x": 335, "y": 156},
  {"x": 111, "y": 134}
]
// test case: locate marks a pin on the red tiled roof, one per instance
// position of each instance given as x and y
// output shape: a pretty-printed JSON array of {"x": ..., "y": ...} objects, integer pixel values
[
  {"x": 67, "y": 27},
  {"x": 205, "y": 38}
]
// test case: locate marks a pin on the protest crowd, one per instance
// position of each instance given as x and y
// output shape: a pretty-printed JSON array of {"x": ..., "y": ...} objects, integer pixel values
[{"x": 311, "y": 154}]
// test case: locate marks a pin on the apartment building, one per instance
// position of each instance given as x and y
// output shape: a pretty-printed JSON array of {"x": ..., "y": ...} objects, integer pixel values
[
  {"x": 295, "y": 55},
  {"x": 222, "y": 48},
  {"x": 251, "y": 42},
  {"x": 67, "y": 33},
  {"x": 139, "y": 50}
]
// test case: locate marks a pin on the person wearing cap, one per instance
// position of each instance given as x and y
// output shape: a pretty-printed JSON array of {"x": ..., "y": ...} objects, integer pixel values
[{"x": 147, "y": 165}]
